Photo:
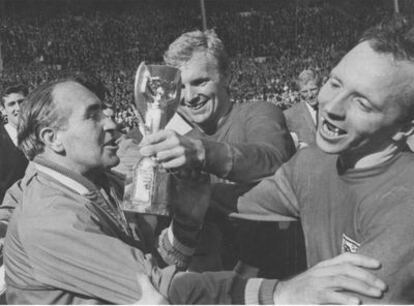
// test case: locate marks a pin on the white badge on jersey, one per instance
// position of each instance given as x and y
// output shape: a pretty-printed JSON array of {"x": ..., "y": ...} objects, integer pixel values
[{"x": 349, "y": 245}]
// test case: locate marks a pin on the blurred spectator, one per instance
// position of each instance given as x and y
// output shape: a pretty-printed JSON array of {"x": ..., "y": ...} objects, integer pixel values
[
  {"x": 13, "y": 163},
  {"x": 302, "y": 117}
]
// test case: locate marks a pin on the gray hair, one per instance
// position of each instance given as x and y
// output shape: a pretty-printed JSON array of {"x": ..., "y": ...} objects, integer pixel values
[{"x": 38, "y": 112}]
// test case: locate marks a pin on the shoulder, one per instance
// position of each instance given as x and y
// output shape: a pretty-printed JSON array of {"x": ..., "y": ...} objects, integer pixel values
[
  {"x": 258, "y": 109},
  {"x": 294, "y": 109},
  {"x": 258, "y": 106},
  {"x": 311, "y": 160},
  {"x": 41, "y": 194}
]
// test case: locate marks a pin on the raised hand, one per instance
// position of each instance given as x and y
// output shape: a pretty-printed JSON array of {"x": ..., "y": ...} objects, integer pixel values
[{"x": 173, "y": 150}]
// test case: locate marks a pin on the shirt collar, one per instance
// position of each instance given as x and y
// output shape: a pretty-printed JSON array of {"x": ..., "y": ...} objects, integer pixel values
[{"x": 65, "y": 176}]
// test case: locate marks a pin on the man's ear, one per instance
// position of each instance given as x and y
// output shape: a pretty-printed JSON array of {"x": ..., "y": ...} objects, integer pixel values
[
  {"x": 406, "y": 130},
  {"x": 50, "y": 137}
]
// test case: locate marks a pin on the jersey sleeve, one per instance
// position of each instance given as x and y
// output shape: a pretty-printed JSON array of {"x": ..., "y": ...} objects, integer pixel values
[{"x": 268, "y": 146}]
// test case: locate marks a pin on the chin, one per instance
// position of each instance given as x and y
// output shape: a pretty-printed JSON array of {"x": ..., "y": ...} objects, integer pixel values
[
  {"x": 328, "y": 147},
  {"x": 111, "y": 162}
]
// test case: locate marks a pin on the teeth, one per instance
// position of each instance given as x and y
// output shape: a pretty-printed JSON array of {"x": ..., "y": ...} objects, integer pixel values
[
  {"x": 202, "y": 100},
  {"x": 327, "y": 130}
]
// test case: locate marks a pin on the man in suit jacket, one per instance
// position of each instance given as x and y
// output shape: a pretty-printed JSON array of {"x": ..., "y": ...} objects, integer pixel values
[
  {"x": 301, "y": 118},
  {"x": 13, "y": 163}
]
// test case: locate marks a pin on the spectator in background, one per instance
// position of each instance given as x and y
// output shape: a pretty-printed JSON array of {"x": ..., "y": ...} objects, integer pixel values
[
  {"x": 13, "y": 163},
  {"x": 301, "y": 118}
]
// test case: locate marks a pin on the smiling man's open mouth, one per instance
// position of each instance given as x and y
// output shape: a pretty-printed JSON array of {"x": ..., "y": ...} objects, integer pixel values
[
  {"x": 197, "y": 103},
  {"x": 331, "y": 130}
]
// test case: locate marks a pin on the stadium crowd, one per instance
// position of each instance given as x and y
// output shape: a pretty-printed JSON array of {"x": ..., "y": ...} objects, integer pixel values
[{"x": 41, "y": 41}]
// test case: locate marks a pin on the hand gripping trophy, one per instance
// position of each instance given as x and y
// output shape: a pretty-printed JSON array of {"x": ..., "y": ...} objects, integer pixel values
[{"x": 157, "y": 93}]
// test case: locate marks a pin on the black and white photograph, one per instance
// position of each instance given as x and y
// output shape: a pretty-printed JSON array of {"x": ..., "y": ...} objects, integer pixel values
[{"x": 211, "y": 152}]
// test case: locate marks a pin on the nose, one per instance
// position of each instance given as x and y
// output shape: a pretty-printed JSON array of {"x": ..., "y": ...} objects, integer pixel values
[
  {"x": 333, "y": 103},
  {"x": 17, "y": 106},
  {"x": 187, "y": 93},
  {"x": 312, "y": 93},
  {"x": 109, "y": 124}
]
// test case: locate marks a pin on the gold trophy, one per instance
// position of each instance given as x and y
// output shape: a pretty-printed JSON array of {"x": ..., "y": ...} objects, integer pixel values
[{"x": 157, "y": 93}]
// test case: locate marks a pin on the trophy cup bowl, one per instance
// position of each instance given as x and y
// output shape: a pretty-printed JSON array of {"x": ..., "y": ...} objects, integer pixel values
[{"x": 160, "y": 84}]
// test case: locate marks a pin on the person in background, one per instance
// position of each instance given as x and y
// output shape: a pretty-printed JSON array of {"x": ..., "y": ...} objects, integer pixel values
[
  {"x": 13, "y": 163},
  {"x": 12, "y": 160},
  {"x": 301, "y": 118}
]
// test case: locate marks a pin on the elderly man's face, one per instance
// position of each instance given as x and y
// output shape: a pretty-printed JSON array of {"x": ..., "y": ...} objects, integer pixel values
[
  {"x": 205, "y": 98},
  {"x": 309, "y": 92},
  {"x": 360, "y": 104},
  {"x": 12, "y": 103},
  {"x": 89, "y": 136}
]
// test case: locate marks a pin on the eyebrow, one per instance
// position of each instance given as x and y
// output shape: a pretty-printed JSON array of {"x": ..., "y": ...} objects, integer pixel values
[
  {"x": 92, "y": 108},
  {"x": 199, "y": 80},
  {"x": 14, "y": 101},
  {"x": 332, "y": 75},
  {"x": 356, "y": 93}
]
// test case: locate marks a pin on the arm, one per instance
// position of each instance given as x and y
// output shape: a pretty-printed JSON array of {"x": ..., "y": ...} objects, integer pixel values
[
  {"x": 273, "y": 199},
  {"x": 11, "y": 199},
  {"x": 69, "y": 252},
  {"x": 268, "y": 145}
]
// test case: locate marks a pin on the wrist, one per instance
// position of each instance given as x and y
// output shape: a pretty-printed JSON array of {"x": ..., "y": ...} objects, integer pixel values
[
  {"x": 186, "y": 233},
  {"x": 266, "y": 292}
]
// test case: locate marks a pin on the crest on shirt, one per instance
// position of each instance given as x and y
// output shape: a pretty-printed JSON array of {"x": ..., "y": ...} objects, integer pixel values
[{"x": 349, "y": 245}]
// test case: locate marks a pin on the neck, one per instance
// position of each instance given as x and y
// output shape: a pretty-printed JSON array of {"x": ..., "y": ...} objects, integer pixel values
[
  {"x": 314, "y": 106},
  {"x": 353, "y": 161},
  {"x": 96, "y": 177},
  {"x": 90, "y": 174}
]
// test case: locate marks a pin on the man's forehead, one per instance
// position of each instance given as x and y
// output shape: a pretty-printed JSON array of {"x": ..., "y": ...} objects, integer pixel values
[
  {"x": 376, "y": 75},
  {"x": 73, "y": 94},
  {"x": 14, "y": 96},
  {"x": 200, "y": 58},
  {"x": 365, "y": 63}
]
